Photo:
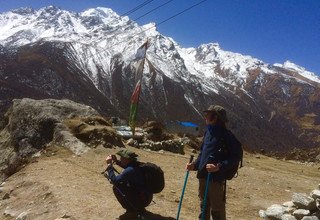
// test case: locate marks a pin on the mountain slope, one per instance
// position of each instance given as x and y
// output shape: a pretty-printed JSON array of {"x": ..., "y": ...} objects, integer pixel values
[{"x": 89, "y": 57}]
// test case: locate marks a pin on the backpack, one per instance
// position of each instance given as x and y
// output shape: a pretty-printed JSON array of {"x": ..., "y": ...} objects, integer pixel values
[
  {"x": 225, "y": 148},
  {"x": 154, "y": 177}
]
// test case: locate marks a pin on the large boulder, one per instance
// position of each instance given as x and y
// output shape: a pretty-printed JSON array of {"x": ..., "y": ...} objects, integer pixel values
[
  {"x": 303, "y": 201},
  {"x": 154, "y": 130},
  {"x": 30, "y": 125}
]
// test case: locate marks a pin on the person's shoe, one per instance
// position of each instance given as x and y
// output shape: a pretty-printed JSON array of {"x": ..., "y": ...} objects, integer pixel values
[{"x": 142, "y": 214}]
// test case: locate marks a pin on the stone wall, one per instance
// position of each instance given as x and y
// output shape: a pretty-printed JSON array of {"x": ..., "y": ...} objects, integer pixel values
[{"x": 301, "y": 207}]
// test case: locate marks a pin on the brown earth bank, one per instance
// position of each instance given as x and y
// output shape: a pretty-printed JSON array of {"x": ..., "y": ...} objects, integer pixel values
[{"x": 59, "y": 184}]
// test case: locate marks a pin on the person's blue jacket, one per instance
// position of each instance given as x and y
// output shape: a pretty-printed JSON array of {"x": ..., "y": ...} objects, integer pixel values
[
  {"x": 212, "y": 151},
  {"x": 131, "y": 175}
]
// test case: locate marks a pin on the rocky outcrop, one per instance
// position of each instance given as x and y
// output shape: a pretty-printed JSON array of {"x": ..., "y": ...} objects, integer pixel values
[
  {"x": 31, "y": 125},
  {"x": 94, "y": 131},
  {"x": 176, "y": 145},
  {"x": 302, "y": 207},
  {"x": 154, "y": 130}
]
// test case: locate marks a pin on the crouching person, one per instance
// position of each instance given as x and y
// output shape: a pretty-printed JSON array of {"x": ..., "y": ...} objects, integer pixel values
[{"x": 129, "y": 187}]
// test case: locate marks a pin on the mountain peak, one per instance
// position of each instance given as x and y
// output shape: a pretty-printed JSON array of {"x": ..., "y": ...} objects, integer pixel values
[
  {"x": 23, "y": 11},
  {"x": 100, "y": 12},
  {"x": 290, "y": 65},
  {"x": 299, "y": 69},
  {"x": 51, "y": 9}
]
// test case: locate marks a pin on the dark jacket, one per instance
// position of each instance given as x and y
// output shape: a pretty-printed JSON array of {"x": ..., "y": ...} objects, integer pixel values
[
  {"x": 130, "y": 188},
  {"x": 216, "y": 142},
  {"x": 131, "y": 175}
]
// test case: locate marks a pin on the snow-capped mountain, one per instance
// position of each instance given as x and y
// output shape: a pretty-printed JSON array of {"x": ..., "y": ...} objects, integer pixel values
[{"x": 89, "y": 57}]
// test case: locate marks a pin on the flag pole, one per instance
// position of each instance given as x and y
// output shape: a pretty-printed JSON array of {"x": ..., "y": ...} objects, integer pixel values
[{"x": 141, "y": 57}]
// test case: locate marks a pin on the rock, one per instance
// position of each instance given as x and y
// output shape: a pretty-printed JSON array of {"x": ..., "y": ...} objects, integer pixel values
[
  {"x": 262, "y": 214},
  {"x": 94, "y": 131},
  {"x": 63, "y": 218},
  {"x": 130, "y": 142},
  {"x": 289, "y": 204},
  {"x": 152, "y": 124},
  {"x": 310, "y": 218},
  {"x": 293, "y": 209},
  {"x": 275, "y": 212},
  {"x": 133, "y": 143},
  {"x": 302, "y": 201},
  {"x": 6, "y": 196},
  {"x": 66, "y": 216},
  {"x": 22, "y": 216},
  {"x": 300, "y": 213},
  {"x": 169, "y": 145},
  {"x": 64, "y": 138},
  {"x": 31, "y": 125},
  {"x": 318, "y": 204},
  {"x": 288, "y": 217},
  {"x": 9, "y": 212},
  {"x": 154, "y": 130},
  {"x": 315, "y": 194}
]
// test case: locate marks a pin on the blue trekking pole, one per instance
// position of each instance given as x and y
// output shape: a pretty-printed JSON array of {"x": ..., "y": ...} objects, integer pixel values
[
  {"x": 205, "y": 194},
  {"x": 184, "y": 188}
]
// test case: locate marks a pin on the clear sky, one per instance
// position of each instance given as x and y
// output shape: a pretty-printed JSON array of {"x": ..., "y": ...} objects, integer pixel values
[{"x": 271, "y": 30}]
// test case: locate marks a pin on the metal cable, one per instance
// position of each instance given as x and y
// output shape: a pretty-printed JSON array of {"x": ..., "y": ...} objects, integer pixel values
[
  {"x": 152, "y": 10},
  {"x": 137, "y": 7}
]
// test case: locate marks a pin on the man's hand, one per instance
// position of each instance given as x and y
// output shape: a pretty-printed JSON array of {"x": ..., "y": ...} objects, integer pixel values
[
  {"x": 109, "y": 160},
  {"x": 211, "y": 168},
  {"x": 190, "y": 166}
]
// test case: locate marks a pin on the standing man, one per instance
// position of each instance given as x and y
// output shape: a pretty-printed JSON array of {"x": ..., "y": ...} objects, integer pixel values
[
  {"x": 129, "y": 187},
  {"x": 214, "y": 159}
]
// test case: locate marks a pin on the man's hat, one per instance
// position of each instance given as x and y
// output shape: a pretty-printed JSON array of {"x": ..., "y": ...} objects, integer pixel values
[
  {"x": 219, "y": 110},
  {"x": 127, "y": 154}
]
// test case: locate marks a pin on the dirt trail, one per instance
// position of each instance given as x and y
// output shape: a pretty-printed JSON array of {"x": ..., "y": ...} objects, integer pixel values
[{"x": 59, "y": 184}]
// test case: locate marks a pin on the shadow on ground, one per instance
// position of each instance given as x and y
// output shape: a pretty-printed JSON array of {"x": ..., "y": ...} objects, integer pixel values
[
  {"x": 153, "y": 216},
  {"x": 148, "y": 216}
]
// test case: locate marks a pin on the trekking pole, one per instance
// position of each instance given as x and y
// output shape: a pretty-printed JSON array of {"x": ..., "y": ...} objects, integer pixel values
[
  {"x": 205, "y": 195},
  {"x": 184, "y": 188}
]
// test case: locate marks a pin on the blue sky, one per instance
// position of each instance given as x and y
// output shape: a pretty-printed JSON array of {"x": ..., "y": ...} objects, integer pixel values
[{"x": 273, "y": 30}]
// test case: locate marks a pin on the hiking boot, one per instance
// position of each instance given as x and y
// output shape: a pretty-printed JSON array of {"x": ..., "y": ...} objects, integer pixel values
[{"x": 141, "y": 217}]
